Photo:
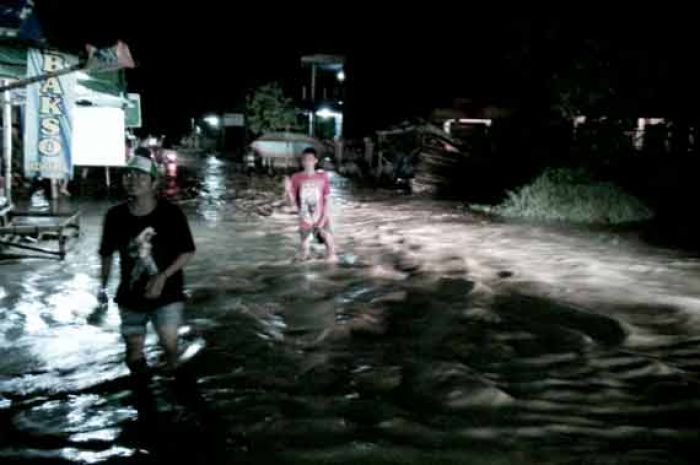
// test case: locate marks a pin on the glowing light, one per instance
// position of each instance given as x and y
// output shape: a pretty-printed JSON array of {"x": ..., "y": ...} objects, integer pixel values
[
  {"x": 327, "y": 113},
  {"x": 447, "y": 125},
  {"x": 212, "y": 120}
]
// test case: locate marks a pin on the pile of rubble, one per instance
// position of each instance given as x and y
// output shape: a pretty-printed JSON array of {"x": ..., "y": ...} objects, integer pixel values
[{"x": 422, "y": 156}]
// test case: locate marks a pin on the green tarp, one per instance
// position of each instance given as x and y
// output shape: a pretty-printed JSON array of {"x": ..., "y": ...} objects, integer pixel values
[
  {"x": 111, "y": 82},
  {"x": 13, "y": 62}
]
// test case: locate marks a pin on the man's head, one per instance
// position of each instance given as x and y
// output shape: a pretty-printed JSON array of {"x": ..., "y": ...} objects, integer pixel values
[
  {"x": 309, "y": 158},
  {"x": 141, "y": 176}
]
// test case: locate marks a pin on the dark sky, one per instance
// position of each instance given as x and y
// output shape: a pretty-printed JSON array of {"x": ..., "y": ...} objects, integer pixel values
[{"x": 198, "y": 56}]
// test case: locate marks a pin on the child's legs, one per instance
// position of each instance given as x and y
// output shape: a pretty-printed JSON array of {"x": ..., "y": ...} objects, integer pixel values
[
  {"x": 306, "y": 236},
  {"x": 327, "y": 234}
]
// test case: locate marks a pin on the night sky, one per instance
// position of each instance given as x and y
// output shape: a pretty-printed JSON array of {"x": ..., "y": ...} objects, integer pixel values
[{"x": 202, "y": 57}]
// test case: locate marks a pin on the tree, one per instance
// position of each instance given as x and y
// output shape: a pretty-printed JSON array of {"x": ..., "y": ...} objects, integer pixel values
[{"x": 268, "y": 109}]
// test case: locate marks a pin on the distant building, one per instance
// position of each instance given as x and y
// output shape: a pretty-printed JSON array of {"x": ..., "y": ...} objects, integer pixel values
[
  {"x": 466, "y": 117},
  {"x": 323, "y": 95},
  {"x": 18, "y": 21}
]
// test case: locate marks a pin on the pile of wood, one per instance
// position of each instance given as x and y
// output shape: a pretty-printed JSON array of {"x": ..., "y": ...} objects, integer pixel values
[{"x": 436, "y": 162}]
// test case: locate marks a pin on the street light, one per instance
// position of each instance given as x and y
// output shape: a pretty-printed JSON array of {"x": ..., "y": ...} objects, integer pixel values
[
  {"x": 218, "y": 130},
  {"x": 212, "y": 120},
  {"x": 340, "y": 76},
  {"x": 326, "y": 113}
]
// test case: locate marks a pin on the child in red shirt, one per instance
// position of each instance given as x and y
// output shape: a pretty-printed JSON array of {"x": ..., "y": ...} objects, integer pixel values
[{"x": 308, "y": 190}]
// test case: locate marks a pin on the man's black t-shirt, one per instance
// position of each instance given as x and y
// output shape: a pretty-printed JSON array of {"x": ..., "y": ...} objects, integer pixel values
[{"x": 147, "y": 245}]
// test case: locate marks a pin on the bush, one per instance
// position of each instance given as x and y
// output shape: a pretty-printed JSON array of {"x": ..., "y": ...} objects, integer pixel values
[{"x": 573, "y": 196}]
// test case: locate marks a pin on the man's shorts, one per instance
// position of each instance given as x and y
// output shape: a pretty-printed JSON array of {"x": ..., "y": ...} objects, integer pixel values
[{"x": 134, "y": 323}]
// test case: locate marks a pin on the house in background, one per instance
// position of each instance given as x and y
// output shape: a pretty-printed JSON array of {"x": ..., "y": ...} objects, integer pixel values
[{"x": 323, "y": 95}]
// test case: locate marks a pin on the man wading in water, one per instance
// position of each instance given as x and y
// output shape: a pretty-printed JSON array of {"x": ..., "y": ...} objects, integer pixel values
[{"x": 154, "y": 243}]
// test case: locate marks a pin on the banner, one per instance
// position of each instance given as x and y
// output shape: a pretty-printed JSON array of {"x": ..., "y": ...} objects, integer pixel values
[
  {"x": 109, "y": 59},
  {"x": 133, "y": 111},
  {"x": 234, "y": 120},
  {"x": 48, "y": 114},
  {"x": 99, "y": 138}
]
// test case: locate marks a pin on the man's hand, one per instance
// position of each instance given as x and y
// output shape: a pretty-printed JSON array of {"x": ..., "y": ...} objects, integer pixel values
[
  {"x": 102, "y": 297},
  {"x": 155, "y": 286}
]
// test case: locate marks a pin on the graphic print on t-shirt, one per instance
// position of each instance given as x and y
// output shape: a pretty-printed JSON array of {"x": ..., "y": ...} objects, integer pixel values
[
  {"x": 140, "y": 249},
  {"x": 310, "y": 200}
]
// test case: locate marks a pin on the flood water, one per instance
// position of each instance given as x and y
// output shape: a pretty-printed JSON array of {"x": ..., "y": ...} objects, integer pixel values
[{"x": 439, "y": 338}]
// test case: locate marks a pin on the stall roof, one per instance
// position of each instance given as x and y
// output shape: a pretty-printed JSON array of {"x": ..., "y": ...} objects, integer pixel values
[{"x": 13, "y": 65}]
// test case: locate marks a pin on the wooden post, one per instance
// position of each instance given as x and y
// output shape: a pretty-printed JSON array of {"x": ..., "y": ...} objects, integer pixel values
[
  {"x": 369, "y": 151},
  {"x": 338, "y": 153},
  {"x": 7, "y": 141},
  {"x": 380, "y": 155},
  {"x": 54, "y": 190}
]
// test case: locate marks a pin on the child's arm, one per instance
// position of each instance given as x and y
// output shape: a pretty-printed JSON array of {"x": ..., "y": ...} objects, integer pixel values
[
  {"x": 289, "y": 192},
  {"x": 326, "y": 194}
]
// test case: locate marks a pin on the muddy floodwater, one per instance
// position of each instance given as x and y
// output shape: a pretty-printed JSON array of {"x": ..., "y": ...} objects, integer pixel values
[{"x": 438, "y": 338}]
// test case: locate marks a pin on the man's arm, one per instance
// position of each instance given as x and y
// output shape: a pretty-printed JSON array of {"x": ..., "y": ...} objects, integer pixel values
[
  {"x": 106, "y": 251},
  {"x": 155, "y": 285},
  {"x": 182, "y": 236},
  {"x": 179, "y": 263},
  {"x": 105, "y": 270}
]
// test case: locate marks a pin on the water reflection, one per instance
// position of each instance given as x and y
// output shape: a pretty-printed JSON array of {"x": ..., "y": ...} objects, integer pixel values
[
  {"x": 213, "y": 189},
  {"x": 445, "y": 340}
]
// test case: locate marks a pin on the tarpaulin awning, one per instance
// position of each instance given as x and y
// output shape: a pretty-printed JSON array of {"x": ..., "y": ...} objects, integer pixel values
[
  {"x": 13, "y": 65},
  {"x": 13, "y": 62}
]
